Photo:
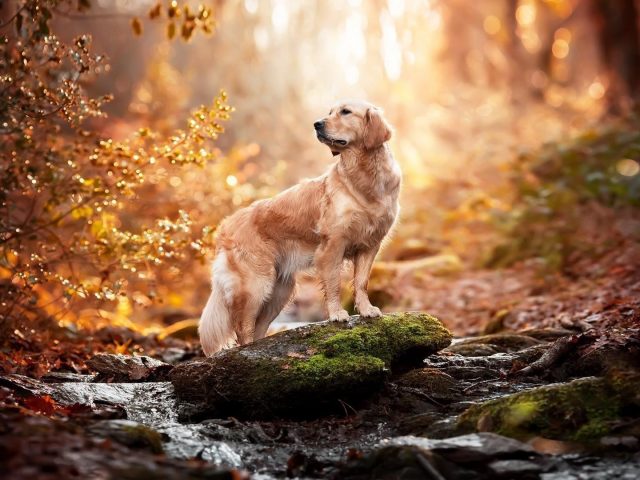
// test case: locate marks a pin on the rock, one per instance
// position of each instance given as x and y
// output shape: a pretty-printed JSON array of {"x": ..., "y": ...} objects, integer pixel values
[
  {"x": 473, "y": 349},
  {"x": 432, "y": 382},
  {"x": 25, "y": 385},
  {"x": 64, "y": 449},
  {"x": 501, "y": 342},
  {"x": 62, "y": 377},
  {"x": 513, "y": 468},
  {"x": 610, "y": 357},
  {"x": 125, "y": 368},
  {"x": 129, "y": 433},
  {"x": 310, "y": 370},
  {"x": 583, "y": 410},
  {"x": 477, "y": 456},
  {"x": 459, "y": 366},
  {"x": 474, "y": 447},
  {"x": 174, "y": 355}
]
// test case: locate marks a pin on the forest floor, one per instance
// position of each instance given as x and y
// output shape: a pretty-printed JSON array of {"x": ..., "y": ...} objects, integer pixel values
[{"x": 44, "y": 437}]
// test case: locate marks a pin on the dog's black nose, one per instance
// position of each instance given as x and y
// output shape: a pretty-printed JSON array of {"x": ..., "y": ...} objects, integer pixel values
[{"x": 318, "y": 125}]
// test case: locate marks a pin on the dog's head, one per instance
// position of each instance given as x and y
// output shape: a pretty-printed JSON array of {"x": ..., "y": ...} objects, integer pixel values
[{"x": 353, "y": 125}]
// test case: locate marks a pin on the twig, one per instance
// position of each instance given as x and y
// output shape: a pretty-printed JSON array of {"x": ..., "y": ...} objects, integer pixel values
[
  {"x": 345, "y": 405},
  {"x": 420, "y": 393}
]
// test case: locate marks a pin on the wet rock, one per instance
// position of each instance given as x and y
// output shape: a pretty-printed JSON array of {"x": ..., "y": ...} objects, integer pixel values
[
  {"x": 583, "y": 410},
  {"x": 303, "y": 465},
  {"x": 459, "y": 366},
  {"x": 430, "y": 425},
  {"x": 307, "y": 371},
  {"x": 116, "y": 397},
  {"x": 129, "y": 433},
  {"x": 512, "y": 468},
  {"x": 473, "y": 349},
  {"x": 483, "y": 367},
  {"x": 125, "y": 368},
  {"x": 473, "y": 447},
  {"x": 61, "y": 377},
  {"x": 476, "y": 456},
  {"x": 431, "y": 382},
  {"x": 472, "y": 372},
  {"x": 57, "y": 449},
  {"x": 25, "y": 385}
]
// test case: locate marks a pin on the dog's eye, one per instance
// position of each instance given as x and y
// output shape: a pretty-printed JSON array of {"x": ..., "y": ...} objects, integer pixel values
[{"x": 345, "y": 111}]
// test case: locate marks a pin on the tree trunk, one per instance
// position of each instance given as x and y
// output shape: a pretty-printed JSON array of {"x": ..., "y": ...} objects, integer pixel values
[{"x": 616, "y": 25}]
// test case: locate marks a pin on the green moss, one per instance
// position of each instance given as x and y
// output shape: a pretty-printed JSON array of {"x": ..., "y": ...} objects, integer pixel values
[
  {"x": 385, "y": 337},
  {"x": 144, "y": 436},
  {"x": 428, "y": 379},
  {"x": 319, "y": 368},
  {"x": 582, "y": 410}
]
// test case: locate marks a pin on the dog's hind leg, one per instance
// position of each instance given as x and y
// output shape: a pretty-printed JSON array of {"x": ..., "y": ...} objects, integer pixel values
[
  {"x": 270, "y": 309},
  {"x": 246, "y": 306}
]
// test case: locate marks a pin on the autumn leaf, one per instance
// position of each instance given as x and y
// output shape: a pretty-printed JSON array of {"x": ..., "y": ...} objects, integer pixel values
[{"x": 44, "y": 404}]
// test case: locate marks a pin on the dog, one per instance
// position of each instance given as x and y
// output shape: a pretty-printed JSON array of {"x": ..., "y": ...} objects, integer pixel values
[{"x": 344, "y": 214}]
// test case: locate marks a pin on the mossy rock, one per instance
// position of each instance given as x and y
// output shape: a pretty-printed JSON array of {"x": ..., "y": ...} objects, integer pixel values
[
  {"x": 309, "y": 370},
  {"x": 583, "y": 410},
  {"x": 130, "y": 433},
  {"x": 429, "y": 380}
]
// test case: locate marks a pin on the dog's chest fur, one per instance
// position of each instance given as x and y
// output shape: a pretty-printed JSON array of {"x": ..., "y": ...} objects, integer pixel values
[{"x": 365, "y": 205}]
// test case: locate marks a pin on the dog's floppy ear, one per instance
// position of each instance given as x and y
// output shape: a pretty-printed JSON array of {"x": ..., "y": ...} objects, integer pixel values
[{"x": 376, "y": 129}]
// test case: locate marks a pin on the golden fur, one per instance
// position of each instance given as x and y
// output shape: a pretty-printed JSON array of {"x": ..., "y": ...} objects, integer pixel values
[{"x": 342, "y": 215}]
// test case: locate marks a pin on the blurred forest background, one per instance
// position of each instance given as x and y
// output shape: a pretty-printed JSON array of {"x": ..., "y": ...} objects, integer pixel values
[{"x": 129, "y": 129}]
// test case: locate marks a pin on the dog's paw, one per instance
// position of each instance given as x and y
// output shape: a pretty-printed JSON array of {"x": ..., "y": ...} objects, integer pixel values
[
  {"x": 339, "y": 315},
  {"x": 370, "y": 312}
]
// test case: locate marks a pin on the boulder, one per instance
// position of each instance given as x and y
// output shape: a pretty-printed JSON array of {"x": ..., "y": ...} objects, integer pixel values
[
  {"x": 476, "y": 456},
  {"x": 582, "y": 410},
  {"x": 307, "y": 371}
]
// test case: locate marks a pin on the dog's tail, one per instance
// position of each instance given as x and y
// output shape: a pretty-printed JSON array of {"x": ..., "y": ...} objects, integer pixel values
[{"x": 215, "y": 328}]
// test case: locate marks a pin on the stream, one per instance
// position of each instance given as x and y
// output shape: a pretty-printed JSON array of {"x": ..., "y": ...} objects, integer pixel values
[{"x": 413, "y": 418}]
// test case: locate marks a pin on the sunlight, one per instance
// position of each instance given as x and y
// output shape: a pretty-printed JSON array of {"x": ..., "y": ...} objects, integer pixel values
[
  {"x": 280, "y": 16},
  {"x": 391, "y": 49}
]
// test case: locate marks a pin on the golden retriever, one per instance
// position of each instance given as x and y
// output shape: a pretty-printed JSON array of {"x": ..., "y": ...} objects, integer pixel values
[{"x": 342, "y": 215}]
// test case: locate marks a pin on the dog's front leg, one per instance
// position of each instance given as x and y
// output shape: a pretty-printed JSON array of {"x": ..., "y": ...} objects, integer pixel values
[
  {"x": 328, "y": 260},
  {"x": 362, "y": 268}
]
